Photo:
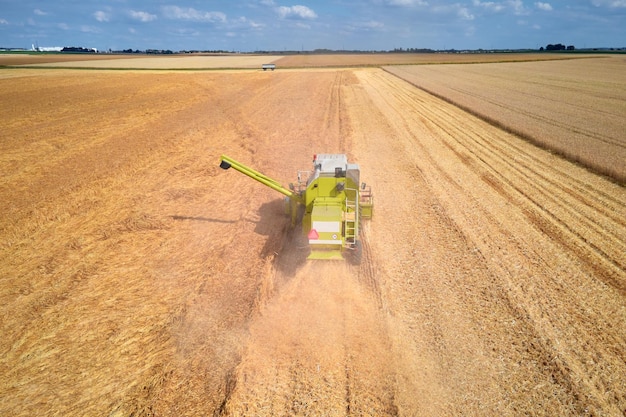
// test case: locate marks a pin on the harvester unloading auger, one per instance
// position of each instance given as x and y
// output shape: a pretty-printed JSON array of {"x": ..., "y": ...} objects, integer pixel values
[{"x": 334, "y": 203}]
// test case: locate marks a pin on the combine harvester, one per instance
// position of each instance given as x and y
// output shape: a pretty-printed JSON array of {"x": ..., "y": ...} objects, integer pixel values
[{"x": 334, "y": 203}]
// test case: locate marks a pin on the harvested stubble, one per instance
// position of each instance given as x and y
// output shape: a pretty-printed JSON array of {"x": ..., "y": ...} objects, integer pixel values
[
  {"x": 148, "y": 62},
  {"x": 140, "y": 279}
]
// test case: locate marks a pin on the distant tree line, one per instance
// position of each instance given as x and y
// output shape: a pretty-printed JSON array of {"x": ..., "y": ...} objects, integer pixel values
[
  {"x": 79, "y": 49},
  {"x": 413, "y": 50},
  {"x": 558, "y": 47},
  {"x": 206, "y": 51},
  {"x": 147, "y": 51}
]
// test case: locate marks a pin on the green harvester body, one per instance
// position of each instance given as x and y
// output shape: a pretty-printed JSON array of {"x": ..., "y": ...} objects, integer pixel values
[{"x": 334, "y": 203}]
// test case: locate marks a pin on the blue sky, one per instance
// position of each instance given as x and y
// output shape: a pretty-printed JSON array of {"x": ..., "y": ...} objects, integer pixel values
[{"x": 250, "y": 25}]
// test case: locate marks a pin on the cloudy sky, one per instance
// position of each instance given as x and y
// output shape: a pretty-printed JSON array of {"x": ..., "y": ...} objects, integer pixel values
[{"x": 250, "y": 25}]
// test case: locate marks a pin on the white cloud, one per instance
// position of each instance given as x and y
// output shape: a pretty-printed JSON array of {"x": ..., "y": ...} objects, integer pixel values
[
  {"x": 372, "y": 24},
  {"x": 518, "y": 7},
  {"x": 186, "y": 32},
  {"x": 3, "y": 22},
  {"x": 179, "y": 13},
  {"x": 39, "y": 12},
  {"x": 454, "y": 9},
  {"x": 63, "y": 26},
  {"x": 102, "y": 16},
  {"x": 298, "y": 12},
  {"x": 142, "y": 16},
  {"x": 243, "y": 21},
  {"x": 366, "y": 26},
  {"x": 465, "y": 14},
  {"x": 543, "y": 6},
  {"x": 614, "y": 4},
  {"x": 89, "y": 29},
  {"x": 407, "y": 3},
  {"x": 489, "y": 5}
]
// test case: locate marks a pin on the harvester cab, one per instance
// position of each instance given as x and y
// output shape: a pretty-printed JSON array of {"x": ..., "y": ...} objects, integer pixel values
[{"x": 334, "y": 203}]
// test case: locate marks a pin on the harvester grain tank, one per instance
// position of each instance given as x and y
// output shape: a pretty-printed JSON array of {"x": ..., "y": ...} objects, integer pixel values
[{"x": 334, "y": 203}]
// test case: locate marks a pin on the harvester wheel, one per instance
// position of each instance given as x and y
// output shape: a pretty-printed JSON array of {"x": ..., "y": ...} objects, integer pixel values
[{"x": 356, "y": 254}]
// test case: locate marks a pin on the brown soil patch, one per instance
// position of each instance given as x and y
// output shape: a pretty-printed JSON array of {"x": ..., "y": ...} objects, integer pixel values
[{"x": 140, "y": 279}]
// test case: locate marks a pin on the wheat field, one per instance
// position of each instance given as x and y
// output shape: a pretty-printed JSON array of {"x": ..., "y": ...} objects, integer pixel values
[
  {"x": 140, "y": 279},
  {"x": 574, "y": 108}
]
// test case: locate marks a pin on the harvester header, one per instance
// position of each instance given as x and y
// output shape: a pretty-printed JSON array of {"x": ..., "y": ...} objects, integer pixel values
[{"x": 334, "y": 202}]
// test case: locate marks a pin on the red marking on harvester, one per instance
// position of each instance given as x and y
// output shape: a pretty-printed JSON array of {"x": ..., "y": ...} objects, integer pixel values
[{"x": 313, "y": 235}]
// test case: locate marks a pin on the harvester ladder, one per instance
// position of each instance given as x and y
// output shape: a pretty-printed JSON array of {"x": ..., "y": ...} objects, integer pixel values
[{"x": 351, "y": 218}]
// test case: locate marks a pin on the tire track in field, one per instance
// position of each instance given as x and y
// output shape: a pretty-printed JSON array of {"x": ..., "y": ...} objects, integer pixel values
[
  {"x": 558, "y": 197},
  {"x": 318, "y": 347},
  {"x": 600, "y": 234},
  {"x": 415, "y": 257},
  {"x": 318, "y": 344},
  {"x": 537, "y": 181},
  {"x": 538, "y": 268},
  {"x": 366, "y": 270},
  {"x": 332, "y": 123}
]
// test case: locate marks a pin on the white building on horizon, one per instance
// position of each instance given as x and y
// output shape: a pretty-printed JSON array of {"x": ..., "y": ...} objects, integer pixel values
[{"x": 46, "y": 48}]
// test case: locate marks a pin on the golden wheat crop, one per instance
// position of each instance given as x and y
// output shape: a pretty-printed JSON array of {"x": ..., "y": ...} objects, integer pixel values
[
  {"x": 574, "y": 107},
  {"x": 140, "y": 279}
]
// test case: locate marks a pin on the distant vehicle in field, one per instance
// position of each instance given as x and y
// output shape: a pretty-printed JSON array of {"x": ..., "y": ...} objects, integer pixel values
[{"x": 269, "y": 66}]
